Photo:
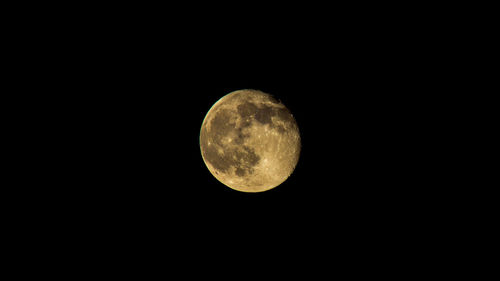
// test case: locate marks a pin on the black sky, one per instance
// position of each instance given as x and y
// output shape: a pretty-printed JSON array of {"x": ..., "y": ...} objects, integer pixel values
[
  {"x": 134, "y": 93},
  {"x": 356, "y": 104}
]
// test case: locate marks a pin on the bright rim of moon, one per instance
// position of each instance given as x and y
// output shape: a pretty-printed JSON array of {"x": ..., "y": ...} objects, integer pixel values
[{"x": 249, "y": 141}]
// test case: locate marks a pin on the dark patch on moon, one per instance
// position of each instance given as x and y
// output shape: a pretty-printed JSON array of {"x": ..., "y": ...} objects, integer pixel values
[
  {"x": 250, "y": 158},
  {"x": 246, "y": 109},
  {"x": 210, "y": 152},
  {"x": 280, "y": 129},
  {"x": 217, "y": 160},
  {"x": 242, "y": 159},
  {"x": 264, "y": 114},
  {"x": 240, "y": 136},
  {"x": 285, "y": 115},
  {"x": 245, "y": 122},
  {"x": 240, "y": 172},
  {"x": 222, "y": 125}
]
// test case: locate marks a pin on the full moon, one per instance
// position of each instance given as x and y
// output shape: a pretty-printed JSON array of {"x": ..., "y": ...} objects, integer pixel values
[{"x": 249, "y": 141}]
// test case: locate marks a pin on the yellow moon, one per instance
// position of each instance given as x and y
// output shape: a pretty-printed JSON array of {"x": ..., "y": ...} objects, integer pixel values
[{"x": 249, "y": 141}]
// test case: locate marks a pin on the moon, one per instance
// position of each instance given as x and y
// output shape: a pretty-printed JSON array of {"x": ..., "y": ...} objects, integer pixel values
[{"x": 249, "y": 141}]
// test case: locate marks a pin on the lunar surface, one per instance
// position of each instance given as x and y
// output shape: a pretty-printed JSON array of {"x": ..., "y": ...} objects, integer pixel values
[{"x": 249, "y": 141}]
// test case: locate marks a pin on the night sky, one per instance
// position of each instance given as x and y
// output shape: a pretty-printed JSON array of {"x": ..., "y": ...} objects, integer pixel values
[
  {"x": 132, "y": 101},
  {"x": 360, "y": 164}
]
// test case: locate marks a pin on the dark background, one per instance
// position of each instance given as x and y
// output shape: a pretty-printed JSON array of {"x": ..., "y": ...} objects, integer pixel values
[
  {"x": 128, "y": 92},
  {"x": 357, "y": 100}
]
